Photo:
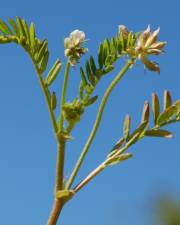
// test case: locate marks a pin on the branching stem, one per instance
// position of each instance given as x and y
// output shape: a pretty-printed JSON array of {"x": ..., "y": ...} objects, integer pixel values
[
  {"x": 103, "y": 165},
  {"x": 128, "y": 64}
]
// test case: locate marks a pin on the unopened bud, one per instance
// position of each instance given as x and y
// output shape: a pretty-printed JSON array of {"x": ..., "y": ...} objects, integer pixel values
[{"x": 123, "y": 30}]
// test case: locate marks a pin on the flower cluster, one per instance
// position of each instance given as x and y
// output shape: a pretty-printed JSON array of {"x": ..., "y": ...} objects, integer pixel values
[
  {"x": 74, "y": 46},
  {"x": 72, "y": 111},
  {"x": 146, "y": 45}
]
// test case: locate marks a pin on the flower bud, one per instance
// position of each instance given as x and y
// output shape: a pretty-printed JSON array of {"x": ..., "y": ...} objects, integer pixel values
[{"x": 123, "y": 30}]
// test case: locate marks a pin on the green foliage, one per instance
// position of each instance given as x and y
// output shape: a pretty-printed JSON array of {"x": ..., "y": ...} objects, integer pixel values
[
  {"x": 109, "y": 51},
  {"x": 167, "y": 99},
  {"x": 126, "y": 128},
  {"x": 155, "y": 107},
  {"x": 118, "y": 159},
  {"x": 20, "y": 33},
  {"x": 53, "y": 72},
  {"x": 158, "y": 133},
  {"x": 169, "y": 115}
]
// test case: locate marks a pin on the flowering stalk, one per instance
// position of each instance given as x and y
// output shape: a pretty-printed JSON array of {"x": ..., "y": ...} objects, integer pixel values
[{"x": 63, "y": 98}]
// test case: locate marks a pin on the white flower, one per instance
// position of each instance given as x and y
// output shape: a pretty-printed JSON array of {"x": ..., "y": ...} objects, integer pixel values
[
  {"x": 73, "y": 46},
  {"x": 77, "y": 36},
  {"x": 75, "y": 39}
]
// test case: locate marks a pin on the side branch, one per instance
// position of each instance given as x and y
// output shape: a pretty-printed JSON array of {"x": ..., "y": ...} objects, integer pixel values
[{"x": 98, "y": 120}]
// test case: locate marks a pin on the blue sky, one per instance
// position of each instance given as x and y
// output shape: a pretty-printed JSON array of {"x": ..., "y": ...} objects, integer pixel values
[{"x": 125, "y": 193}]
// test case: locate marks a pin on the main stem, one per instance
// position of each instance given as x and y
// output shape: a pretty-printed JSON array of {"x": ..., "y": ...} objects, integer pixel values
[
  {"x": 128, "y": 64},
  {"x": 56, "y": 210},
  {"x": 58, "y": 204}
]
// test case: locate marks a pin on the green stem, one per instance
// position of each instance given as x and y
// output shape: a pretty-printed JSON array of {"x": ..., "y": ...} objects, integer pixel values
[
  {"x": 47, "y": 97},
  {"x": 56, "y": 210},
  {"x": 58, "y": 204},
  {"x": 60, "y": 164},
  {"x": 128, "y": 64},
  {"x": 100, "y": 168},
  {"x": 94, "y": 173},
  {"x": 63, "y": 97},
  {"x": 46, "y": 94}
]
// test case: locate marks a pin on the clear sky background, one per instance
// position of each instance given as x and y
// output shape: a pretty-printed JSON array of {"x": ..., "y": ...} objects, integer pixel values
[{"x": 124, "y": 194}]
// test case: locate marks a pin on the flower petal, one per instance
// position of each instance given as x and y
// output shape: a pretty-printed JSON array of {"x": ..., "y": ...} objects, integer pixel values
[
  {"x": 143, "y": 37},
  {"x": 153, "y": 51},
  {"x": 152, "y": 38},
  {"x": 150, "y": 65},
  {"x": 66, "y": 42},
  {"x": 159, "y": 45}
]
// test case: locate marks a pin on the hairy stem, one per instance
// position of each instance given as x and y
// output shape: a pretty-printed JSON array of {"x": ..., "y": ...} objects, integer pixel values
[{"x": 128, "y": 64}]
